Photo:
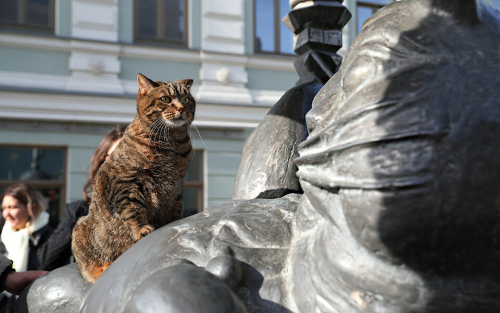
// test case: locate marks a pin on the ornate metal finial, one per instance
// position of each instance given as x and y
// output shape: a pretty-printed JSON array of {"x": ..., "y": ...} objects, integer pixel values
[{"x": 317, "y": 26}]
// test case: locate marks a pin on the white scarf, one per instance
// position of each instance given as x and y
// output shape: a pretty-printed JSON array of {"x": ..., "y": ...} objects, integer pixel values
[{"x": 17, "y": 242}]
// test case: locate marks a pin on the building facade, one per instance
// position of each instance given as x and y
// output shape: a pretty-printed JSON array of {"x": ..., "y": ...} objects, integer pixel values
[{"x": 68, "y": 75}]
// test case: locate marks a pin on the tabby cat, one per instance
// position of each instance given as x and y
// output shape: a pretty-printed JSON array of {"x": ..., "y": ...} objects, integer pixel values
[{"x": 139, "y": 188}]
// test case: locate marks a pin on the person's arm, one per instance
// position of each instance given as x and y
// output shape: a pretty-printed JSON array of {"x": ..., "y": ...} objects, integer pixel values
[
  {"x": 12, "y": 281},
  {"x": 16, "y": 282},
  {"x": 56, "y": 251}
]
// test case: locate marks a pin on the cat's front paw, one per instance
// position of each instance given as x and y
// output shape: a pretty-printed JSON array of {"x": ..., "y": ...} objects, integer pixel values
[{"x": 143, "y": 232}]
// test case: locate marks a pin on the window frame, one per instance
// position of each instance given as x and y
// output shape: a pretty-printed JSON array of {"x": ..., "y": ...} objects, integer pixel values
[
  {"x": 43, "y": 184},
  {"x": 200, "y": 185},
  {"x": 160, "y": 19},
  {"x": 22, "y": 15},
  {"x": 277, "y": 33},
  {"x": 375, "y": 7}
]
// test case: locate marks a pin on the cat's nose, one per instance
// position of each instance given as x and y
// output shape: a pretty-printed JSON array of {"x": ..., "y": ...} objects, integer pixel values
[{"x": 181, "y": 110}]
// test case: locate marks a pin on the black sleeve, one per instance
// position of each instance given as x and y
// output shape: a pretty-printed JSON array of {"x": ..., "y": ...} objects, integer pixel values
[
  {"x": 56, "y": 251},
  {"x": 5, "y": 269}
]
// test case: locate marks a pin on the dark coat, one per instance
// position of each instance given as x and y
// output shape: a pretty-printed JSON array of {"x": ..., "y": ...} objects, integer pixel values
[
  {"x": 56, "y": 251},
  {"x": 5, "y": 269},
  {"x": 6, "y": 302},
  {"x": 40, "y": 237}
]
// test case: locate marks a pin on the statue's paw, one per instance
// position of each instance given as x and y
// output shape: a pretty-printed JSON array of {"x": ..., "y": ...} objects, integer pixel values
[
  {"x": 228, "y": 269},
  {"x": 202, "y": 292}
]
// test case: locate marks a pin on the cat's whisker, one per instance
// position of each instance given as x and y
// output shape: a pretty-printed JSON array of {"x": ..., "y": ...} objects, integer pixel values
[
  {"x": 152, "y": 128},
  {"x": 190, "y": 133},
  {"x": 154, "y": 125},
  {"x": 168, "y": 132},
  {"x": 155, "y": 129},
  {"x": 143, "y": 117},
  {"x": 161, "y": 132},
  {"x": 149, "y": 135},
  {"x": 199, "y": 134},
  {"x": 165, "y": 131},
  {"x": 158, "y": 130},
  {"x": 157, "y": 120}
]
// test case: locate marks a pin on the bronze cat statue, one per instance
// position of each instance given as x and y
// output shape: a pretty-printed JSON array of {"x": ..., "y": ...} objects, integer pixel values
[{"x": 139, "y": 188}]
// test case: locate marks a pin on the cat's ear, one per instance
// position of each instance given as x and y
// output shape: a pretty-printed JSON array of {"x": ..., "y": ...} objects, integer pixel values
[
  {"x": 145, "y": 84},
  {"x": 187, "y": 82}
]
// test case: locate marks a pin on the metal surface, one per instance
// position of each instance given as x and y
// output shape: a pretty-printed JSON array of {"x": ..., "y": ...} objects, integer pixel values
[
  {"x": 62, "y": 290},
  {"x": 173, "y": 290},
  {"x": 266, "y": 169}
]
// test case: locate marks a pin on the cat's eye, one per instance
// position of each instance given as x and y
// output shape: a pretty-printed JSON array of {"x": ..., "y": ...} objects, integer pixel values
[
  {"x": 185, "y": 100},
  {"x": 165, "y": 99}
]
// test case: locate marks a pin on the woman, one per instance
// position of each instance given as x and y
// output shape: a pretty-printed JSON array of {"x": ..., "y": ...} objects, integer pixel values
[
  {"x": 56, "y": 251},
  {"x": 26, "y": 226}
]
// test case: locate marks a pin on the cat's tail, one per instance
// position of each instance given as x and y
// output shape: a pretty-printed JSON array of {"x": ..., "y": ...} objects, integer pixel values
[{"x": 86, "y": 257}]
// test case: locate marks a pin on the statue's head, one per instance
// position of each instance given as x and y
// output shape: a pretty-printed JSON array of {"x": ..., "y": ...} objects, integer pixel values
[{"x": 407, "y": 135}]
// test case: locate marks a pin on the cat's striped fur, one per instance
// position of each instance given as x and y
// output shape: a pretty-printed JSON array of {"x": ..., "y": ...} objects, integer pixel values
[{"x": 139, "y": 188}]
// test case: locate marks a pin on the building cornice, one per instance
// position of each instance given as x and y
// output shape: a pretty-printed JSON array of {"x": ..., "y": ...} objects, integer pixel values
[
  {"x": 65, "y": 107},
  {"x": 55, "y": 44},
  {"x": 59, "y": 44}
]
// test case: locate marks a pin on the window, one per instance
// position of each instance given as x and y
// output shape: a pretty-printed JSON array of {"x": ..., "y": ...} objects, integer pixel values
[
  {"x": 28, "y": 14},
  {"x": 496, "y": 4},
  {"x": 41, "y": 167},
  {"x": 271, "y": 35},
  {"x": 366, "y": 8},
  {"x": 161, "y": 21},
  {"x": 193, "y": 186}
]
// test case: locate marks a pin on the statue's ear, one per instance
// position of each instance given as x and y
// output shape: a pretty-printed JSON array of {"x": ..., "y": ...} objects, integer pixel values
[
  {"x": 145, "y": 84},
  {"x": 187, "y": 82},
  {"x": 464, "y": 11}
]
